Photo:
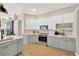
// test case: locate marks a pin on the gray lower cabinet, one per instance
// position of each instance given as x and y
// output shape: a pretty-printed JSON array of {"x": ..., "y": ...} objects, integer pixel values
[
  {"x": 55, "y": 42},
  {"x": 62, "y": 43},
  {"x": 25, "y": 40},
  {"x": 11, "y": 48},
  {"x": 49, "y": 41},
  {"x": 32, "y": 38},
  {"x": 4, "y": 51},
  {"x": 70, "y": 44},
  {"x": 19, "y": 45},
  {"x": 29, "y": 38},
  {"x": 1, "y": 49}
]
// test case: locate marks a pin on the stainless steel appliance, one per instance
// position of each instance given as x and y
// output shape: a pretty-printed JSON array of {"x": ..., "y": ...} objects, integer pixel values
[{"x": 43, "y": 37}]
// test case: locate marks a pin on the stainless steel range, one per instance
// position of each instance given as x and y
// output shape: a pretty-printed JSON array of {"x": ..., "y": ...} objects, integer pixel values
[{"x": 43, "y": 37}]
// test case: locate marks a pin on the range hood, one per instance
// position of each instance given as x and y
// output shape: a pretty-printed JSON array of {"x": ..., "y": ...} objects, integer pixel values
[{"x": 2, "y": 9}]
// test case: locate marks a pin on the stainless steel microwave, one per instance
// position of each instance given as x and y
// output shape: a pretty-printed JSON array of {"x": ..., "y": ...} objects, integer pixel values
[{"x": 44, "y": 27}]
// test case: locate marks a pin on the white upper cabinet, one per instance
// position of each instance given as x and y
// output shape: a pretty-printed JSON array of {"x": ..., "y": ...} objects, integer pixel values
[
  {"x": 68, "y": 18},
  {"x": 51, "y": 21},
  {"x": 58, "y": 19},
  {"x": 64, "y": 18},
  {"x": 31, "y": 23}
]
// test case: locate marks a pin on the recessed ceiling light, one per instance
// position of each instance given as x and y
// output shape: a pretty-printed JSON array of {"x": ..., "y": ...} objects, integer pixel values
[{"x": 34, "y": 10}]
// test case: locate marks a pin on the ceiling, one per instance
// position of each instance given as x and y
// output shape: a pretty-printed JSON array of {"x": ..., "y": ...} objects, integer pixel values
[{"x": 42, "y": 8}]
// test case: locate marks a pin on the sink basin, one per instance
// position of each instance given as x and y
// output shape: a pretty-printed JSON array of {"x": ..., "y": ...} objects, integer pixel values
[{"x": 4, "y": 39}]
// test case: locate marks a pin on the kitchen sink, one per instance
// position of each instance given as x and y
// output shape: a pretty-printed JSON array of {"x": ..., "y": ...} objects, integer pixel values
[{"x": 4, "y": 39}]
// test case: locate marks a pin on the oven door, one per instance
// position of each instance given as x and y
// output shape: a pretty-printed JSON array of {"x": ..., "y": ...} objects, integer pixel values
[{"x": 43, "y": 38}]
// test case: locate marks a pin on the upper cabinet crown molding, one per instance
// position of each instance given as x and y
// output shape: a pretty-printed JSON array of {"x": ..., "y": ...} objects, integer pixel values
[{"x": 59, "y": 11}]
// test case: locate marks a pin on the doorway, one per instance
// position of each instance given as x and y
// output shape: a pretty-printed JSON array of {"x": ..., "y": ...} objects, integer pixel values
[{"x": 20, "y": 27}]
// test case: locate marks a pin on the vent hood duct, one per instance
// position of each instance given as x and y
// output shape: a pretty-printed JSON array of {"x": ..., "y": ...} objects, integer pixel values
[{"x": 2, "y": 9}]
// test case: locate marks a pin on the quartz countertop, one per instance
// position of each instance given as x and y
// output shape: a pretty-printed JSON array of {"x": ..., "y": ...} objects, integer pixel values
[
  {"x": 10, "y": 38},
  {"x": 49, "y": 34},
  {"x": 62, "y": 36},
  {"x": 31, "y": 34}
]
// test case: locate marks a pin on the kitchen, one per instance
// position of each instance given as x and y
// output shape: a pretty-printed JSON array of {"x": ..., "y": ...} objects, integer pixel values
[
  {"x": 52, "y": 27},
  {"x": 41, "y": 29}
]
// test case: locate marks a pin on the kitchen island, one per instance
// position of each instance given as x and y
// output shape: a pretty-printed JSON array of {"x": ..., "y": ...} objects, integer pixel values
[{"x": 11, "y": 46}]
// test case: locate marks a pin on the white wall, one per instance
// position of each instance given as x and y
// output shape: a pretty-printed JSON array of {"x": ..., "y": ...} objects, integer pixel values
[
  {"x": 14, "y": 9},
  {"x": 77, "y": 30}
]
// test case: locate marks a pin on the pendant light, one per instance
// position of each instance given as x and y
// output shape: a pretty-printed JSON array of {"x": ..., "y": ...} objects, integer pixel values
[{"x": 2, "y": 9}]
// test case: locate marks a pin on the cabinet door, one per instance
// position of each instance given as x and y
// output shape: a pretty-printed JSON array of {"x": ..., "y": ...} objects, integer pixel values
[
  {"x": 19, "y": 45},
  {"x": 68, "y": 18},
  {"x": 32, "y": 38},
  {"x": 3, "y": 49},
  {"x": 70, "y": 45},
  {"x": 5, "y": 52},
  {"x": 58, "y": 42},
  {"x": 55, "y": 43},
  {"x": 12, "y": 49},
  {"x": 29, "y": 39},
  {"x": 25, "y": 40},
  {"x": 9, "y": 48},
  {"x": 1, "y": 53},
  {"x": 61, "y": 43},
  {"x": 58, "y": 19},
  {"x": 49, "y": 41}
]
